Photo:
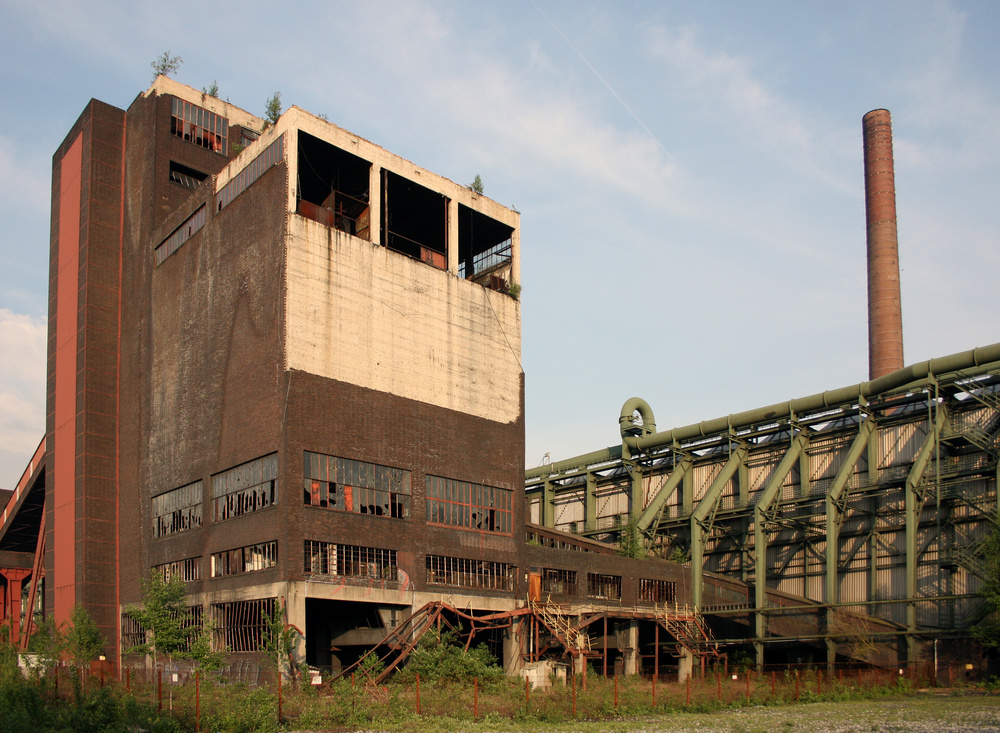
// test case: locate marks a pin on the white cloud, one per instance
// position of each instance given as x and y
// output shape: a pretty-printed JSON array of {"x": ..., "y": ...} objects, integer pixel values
[{"x": 22, "y": 391}]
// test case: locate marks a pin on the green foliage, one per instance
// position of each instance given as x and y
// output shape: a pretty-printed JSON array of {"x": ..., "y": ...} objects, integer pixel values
[
  {"x": 988, "y": 631},
  {"x": 83, "y": 641},
  {"x": 476, "y": 185},
  {"x": 211, "y": 90},
  {"x": 280, "y": 639},
  {"x": 237, "y": 148},
  {"x": 163, "y": 610},
  {"x": 48, "y": 642},
  {"x": 272, "y": 110},
  {"x": 201, "y": 652},
  {"x": 440, "y": 656},
  {"x": 630, "y": 542},
  {"x": 514, "y": 290},
  {"x": 166, "y": 65}
]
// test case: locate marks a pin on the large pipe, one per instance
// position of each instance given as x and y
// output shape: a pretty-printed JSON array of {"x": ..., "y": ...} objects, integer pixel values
[
  {"x": 885, "y": 316},
  {"x": 964, "y": 360}
]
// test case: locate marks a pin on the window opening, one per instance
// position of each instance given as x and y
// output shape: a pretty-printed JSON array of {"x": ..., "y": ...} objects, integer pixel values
[
  {"x": 178, "y": 510},
  {"x": 187, "y": 570},
  {"x": 354, "y": 486},
  {"x": 240, "y": 625},
  {"x": 415, "y": 220},
  {"x": 333, "y": 187},
  {"x": 184, "y": 176},
  {"x": 328, "y": 558},
  {"x": 191, "y": 226},
  {"x": 559, "y": 581},
  {"x": 604, "y": 586},
  {"x": 248, "y": 136},
  {"x": 485, "y": 247},
  {"x": 270, "y": 157},
  {"x": 134, "y": 633},
  {"x": 467, "y": 573},
  {"x": 242, "y": 560},
  {"x": 199, "y": 126},
  {"x": 247, "y": 488},
  {"x": 657, "y": 591},
  {"x": 468, "y": 505}
]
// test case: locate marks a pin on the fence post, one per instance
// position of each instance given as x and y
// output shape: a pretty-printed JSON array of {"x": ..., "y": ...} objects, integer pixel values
[
  {"x": 616, "y": 691},
  {"x": 689, "y": 690},
  {"x": 718, "y": 685},
  {"x": 527, "y": 694},
  {"x": 197, "y": 699},
  {"x": 773, "y": 679},
  {"x": 574, "y": 696},
  {"x": 159, "y": 690},
  {"x": 102, "y": 675},
  {"x": 475, "y": 699},
  {"x": 796, "y": 685},
  {"x": 128, "y": 680},
  {"x": 279, "y": 697},
  {"x": 819, "y": 682},
  {"x": 418, "y": 691},
  {"x": 654, "y": 690},
  {"x": 747, "y": 674}
]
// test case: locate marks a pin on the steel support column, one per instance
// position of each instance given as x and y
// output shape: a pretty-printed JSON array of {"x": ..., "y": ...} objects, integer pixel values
[
  {"x": 762, "y": 511},
  {"x": 914, "y": 504},
  {"x": 703, "y": 518},
  {"x": 590, "y": 503},
  {"x": 546, "y": 512}
]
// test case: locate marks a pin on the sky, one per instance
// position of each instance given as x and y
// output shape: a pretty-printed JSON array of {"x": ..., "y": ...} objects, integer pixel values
[{"x": 689, "y": 175}]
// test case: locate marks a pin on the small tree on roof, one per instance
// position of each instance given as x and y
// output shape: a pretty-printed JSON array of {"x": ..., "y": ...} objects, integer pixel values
[
  {"x": 272, "y": 110},
  {"x": 165, "y": 65}
]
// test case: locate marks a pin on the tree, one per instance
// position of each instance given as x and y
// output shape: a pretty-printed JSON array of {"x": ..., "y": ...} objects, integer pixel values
[
  {"x": 211, "y": 90},
  {"x": 166, "y": 65},
  {"x": 630, "y": 541},
  {"x": 162, "y": 615},
  {"x": 988, "y": 631},
  {"x": 272, "y": 110},
  {"x": 84, "y": 641},
  {"x": 280, "y": 638},
  {"x": 47, "y": 641},
  {"x": 477, "y": 184}
]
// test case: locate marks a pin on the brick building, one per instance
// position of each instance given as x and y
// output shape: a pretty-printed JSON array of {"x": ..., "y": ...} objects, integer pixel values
[{"x": 284, "y": 364}]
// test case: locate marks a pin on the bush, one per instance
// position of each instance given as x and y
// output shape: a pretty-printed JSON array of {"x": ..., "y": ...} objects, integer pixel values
[{"x": 440, "y": 656}]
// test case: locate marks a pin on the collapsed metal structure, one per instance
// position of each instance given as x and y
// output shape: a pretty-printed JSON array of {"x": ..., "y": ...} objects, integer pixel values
[{"x": 872, "y": 499}]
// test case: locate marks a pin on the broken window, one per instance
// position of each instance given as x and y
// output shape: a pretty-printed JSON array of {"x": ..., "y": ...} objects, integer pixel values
[
  {"x": 327, "y": 558},
  {"x": 333, "y": 187},
  {"x": 247, "y": 137},
  {"x": 657, "y": 591},
  {"x": 355, "y": 486},
  {"x": 559, "y": 581},
  {"x": 187, "y": 570},
  {"x": 134, "y": 633},
  {"x": 469, "y": 505},
  {"x": 240, "y": 626},
  {"x": 184, "y": 176},
  {"x": 604, "y": 586},
  {"x": 246, "y": 488},
  {"x": 177, "y": 510},
  {"x": 270, "y": 157},
  {"x": 485, "y": 246},
  {"x": 191, "y": 226},
  {"x": 467, "y": 573},
  {"x": 199, "y": 126},
  {"x": 415, "y": 220},
  {"x": 243, "y": 560}
]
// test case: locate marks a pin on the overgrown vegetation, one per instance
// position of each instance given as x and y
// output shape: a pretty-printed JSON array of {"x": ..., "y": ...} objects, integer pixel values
[
  {"x": 988, "y": 631},
  {"x": 166, "y": 65},
  {"x": 211, "y": 90},
  {"x": 476, "y": 185},
  {"x": 440, "y": 656},
  {"x": 272, "y": 110},
  {"x": 630, "y": 542}
]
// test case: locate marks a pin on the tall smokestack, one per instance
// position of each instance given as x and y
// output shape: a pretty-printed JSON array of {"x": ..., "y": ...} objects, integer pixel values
[{"x": 885, "y": 317}]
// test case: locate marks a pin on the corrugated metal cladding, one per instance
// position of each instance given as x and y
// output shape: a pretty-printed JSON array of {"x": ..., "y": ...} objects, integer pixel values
[
  {"x": 534, "y": 511},
  {"x": 569, "y": 508},
  {"x": 826, "y": 457},
  {"x": 702, "y": 477},
  {"x": 898, "y": 444},
  {"x": 761, "y": 467}
]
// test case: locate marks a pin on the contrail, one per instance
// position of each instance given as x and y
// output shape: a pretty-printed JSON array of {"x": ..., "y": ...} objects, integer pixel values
[{"x": 603, "y": 81}]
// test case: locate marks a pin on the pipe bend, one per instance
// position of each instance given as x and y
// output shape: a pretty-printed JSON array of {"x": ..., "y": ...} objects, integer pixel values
[{"x": 625, "y": 422}]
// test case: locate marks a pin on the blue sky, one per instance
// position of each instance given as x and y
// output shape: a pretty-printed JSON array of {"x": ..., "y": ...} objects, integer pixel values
[{"x": 689, "y": 175}]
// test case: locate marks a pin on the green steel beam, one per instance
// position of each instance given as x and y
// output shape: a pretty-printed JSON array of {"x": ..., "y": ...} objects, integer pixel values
[
  {"x": 762, "y": 511},
  {"x": 635, "y": 498},
  {"x": 663, "y": 495},
  {"x": 701, "y": 523},
  {"x": 546, "y": 512},
  {"x": 914, "y": 505},
  {"x": 836, "y": 505},
  {"x": 590, "y": 503}
]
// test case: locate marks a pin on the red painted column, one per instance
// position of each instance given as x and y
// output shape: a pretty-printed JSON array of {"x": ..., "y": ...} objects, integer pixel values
[{"x": 15, "y": 577}]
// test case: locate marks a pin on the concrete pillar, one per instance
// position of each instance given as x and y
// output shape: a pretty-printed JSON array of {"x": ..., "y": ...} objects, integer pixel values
[
  {"x": 513, "y": 648},
  {"x": 685, "y": 665},
  {"x": 295, "y": 615},
  {"x": 630, "y": 652}
]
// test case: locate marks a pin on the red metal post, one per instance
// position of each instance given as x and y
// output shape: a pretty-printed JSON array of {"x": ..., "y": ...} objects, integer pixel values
[
  {"x": 128, "y": 680},
  {"x": 605, "y": 645},
  {"x": 616, "y": 692},
  {"x": 197, "y": 699},
  {"x": 527, "y": 693},
  {"x": 819, "y": 682},
  {"x": 718, "y": 684},
  {"x": 747, "y": 675},
  {"x": 796, "y": 684},
  {"x": 475, "y": 699},
  {"x": 279, "y": 697},
  {"x": 574, "y": 696},
  {"x": 689, "y": 689},
  {"x": 418, "y": 692},
  {"x": 654, "y": 690},
  {"x": 773, "y": 676},
  {"x": 159, "y": 690}
]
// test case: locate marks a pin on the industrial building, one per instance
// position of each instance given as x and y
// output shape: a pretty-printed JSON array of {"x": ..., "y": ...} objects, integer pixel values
[{"x": 284, "y": 366}]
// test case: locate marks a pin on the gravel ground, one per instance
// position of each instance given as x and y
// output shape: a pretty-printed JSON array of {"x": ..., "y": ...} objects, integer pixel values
[{"x": 924, "y": 714}]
